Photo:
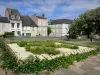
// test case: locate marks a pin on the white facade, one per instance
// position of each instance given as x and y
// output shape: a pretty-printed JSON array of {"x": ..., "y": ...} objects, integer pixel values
[
  {"x": 4, "y": 27},
  {"x": 59, "y": 30},
  {"x": 42, "y": 25},
  {"x": 16, "y": 27},
  {"x": 29, "y": 31}
]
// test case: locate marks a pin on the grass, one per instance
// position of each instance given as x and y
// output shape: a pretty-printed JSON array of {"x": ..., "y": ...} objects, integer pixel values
[
  {"x": 82, "y": 42},
  {"x": 18, "y": 39}
]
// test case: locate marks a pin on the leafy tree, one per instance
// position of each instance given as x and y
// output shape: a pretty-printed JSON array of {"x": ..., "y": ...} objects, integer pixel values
[
  {"x": 49, "y": 30},
  {"x": 86, "y": 23}
]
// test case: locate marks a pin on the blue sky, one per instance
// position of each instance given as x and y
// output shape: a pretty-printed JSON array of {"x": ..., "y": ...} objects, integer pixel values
[{"x": 53, "y": 9}]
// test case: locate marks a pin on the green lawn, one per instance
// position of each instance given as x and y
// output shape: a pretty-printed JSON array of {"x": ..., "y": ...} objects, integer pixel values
[{"x": 84, "y": 42}]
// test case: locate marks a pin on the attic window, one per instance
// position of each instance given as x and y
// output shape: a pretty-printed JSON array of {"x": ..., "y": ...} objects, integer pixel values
[
  {"x": 18, "y": 17},
  {"x": 12, "y": 16}
]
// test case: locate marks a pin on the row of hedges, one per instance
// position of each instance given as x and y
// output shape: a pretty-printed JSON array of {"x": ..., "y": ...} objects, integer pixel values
[
  {"x": 42, "y": 50},
  {"x": 48, "y": 43},
  {"x": 67, "y": 46},
  {"x": 8, "y": 34},
  {"x": 45, "y": 47},
  {"x": 34, "y": 65}
]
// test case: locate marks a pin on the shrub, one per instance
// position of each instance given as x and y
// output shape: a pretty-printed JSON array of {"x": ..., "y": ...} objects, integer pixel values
[
  {"x": 43, "y": 50},
  {"x": 27, "y": 47},
  {"x": 9, "y": 33},
  {"x": 69, "y": 46},
  {"x": 22, "y": 44}
]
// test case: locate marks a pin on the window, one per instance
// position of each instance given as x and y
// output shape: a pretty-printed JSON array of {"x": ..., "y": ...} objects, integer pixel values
[
  {"x": 13, "y": 31},
  {"x": 12, "y": 16},
  {"x": 18, "y": 17},
  {"x": 23, "y": 34},
  {"x": 18, "y": 32},
  {"x": 12, "y": 25},
  {"x": 18, "y": 24}
]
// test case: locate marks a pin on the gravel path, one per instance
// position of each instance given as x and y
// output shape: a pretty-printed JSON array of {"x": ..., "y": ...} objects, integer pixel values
[{"x": 22, "y": 54}]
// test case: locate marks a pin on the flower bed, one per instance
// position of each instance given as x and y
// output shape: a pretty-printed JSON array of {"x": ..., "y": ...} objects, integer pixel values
[{"x": 45, "y": 47}]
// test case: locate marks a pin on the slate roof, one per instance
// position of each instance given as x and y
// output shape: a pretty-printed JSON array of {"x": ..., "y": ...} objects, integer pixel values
[
  {"x": 61, "y": 21},
  {"x": 40, "y": 17},
  {"x": 13, "y": 11},
  {"x": 27, "y": 21},
  {"x": 4, "y": 20}
]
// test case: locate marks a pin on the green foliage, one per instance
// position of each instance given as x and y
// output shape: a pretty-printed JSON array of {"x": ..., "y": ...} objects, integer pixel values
[
  {"x": 9, "y": 33},
  {"x": 49, "y": 31},
  {"x": 48, "y": 47},
  {"x": 22, "y": 44},
  {"x": 69, "y": 46},
  {"x": 64, "y": 61},
  {"x": 9, "y": 61},
  {"x": 42, "y": 50},
  {"x": 34, "y": 65},
  {"x": 86, "y": 24}
]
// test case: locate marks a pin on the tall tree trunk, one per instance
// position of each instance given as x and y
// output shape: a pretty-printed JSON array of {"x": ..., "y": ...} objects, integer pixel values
[{"x": 88, "y": 35}]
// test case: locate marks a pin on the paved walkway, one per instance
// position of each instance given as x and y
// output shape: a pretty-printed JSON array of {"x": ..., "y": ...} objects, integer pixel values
[{"x": 90, "y": 66}]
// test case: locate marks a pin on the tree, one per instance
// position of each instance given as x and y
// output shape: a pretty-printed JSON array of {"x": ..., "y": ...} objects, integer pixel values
[
  {"x": 49, "y": 30},
  {"x": 86, "y": 23}
]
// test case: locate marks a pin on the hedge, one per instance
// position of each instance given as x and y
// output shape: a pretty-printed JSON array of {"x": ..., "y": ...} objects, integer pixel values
[{"x": 9, "y": 33}]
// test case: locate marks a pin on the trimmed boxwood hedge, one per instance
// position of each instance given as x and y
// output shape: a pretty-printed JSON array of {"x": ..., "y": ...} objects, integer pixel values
[{"x": 9, "y": 33}]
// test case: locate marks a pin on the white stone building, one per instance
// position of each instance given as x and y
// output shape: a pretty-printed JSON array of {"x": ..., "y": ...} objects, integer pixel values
[
  {"x": 14, "y": 17},
  {"x": 4, "y": 25},
  {"x": 59, "y": 27},
  {"x": 23, "y": 25},
  {"x": 42, "y": 24},
  {"x": 29, "y": 28}
]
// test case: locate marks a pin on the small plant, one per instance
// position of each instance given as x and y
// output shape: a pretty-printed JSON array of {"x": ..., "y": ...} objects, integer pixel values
[
  {"x": 22, "y": 44},
  {"x": 43, "y": 50}
]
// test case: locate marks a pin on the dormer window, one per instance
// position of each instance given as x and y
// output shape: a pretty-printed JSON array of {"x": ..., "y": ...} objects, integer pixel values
[
  {"x": 18, "y": 17},
  {"x": 12, "y": 16}
]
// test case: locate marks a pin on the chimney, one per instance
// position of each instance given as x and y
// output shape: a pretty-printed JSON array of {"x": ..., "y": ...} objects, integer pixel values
[
  {"x": 34, "y": 14},
  {"x": 43, "y": 15},
  {"x": 50, "y": 20},
  {"x": 9, "y": 10}
]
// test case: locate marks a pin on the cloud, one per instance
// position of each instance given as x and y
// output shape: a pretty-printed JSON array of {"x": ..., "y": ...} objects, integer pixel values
[
  {"x": 66, "y": 16},
  {"x": 52, "y": 8},
  {"x": 2, "y": 12},
  {"x": 75, "y": 5}
]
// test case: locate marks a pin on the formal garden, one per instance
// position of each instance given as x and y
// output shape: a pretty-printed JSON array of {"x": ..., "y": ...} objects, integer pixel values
[
  {"x": 48, "y": 47},
  {"x": 34, "y": 64}
]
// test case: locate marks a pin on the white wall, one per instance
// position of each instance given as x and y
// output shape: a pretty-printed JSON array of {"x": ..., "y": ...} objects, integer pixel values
[
  {"x": 59, "y": 30},
  {"x": 15, "y": 27},
  {"x": 4, "y": 27},
  {"x": 42, "y": 25},
  {"x": 65, "y": 29},
  {"x": 31, "y": 30}
]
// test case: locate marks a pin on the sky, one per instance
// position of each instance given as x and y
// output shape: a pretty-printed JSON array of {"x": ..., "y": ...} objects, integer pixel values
[{"x": 53, "y": 9}]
